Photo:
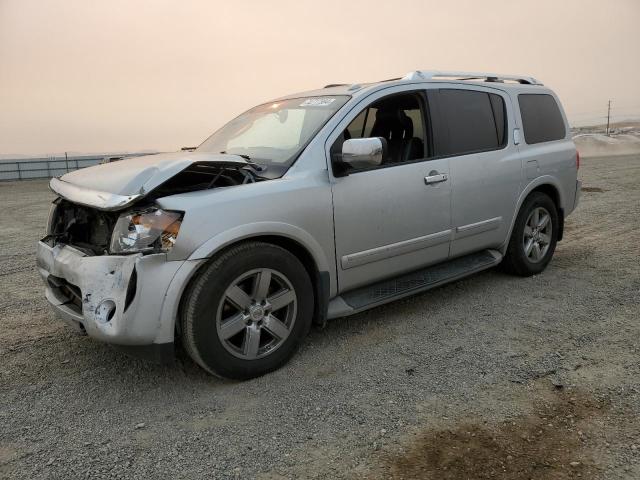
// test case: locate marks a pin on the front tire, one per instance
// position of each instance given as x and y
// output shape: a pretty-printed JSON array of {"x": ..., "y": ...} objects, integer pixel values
[
  {"x": 534, "y": 236},
  {"x": 247, "y": 312}
]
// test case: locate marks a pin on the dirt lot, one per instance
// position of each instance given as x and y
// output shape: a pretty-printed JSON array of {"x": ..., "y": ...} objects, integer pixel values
[{"x": 490, "y": 377}]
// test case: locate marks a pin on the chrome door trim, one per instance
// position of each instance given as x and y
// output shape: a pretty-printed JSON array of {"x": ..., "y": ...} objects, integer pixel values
[
  {"x": 395, "y": 249},
  {"x": 478, "y": 227}
]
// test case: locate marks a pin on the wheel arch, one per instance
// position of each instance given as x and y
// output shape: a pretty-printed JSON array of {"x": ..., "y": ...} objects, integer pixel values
[
  {"x": 312, "y": 261},
  {"x": 554, "y": 193},
  {"x": 319, "y": 279},
  {"x": 284, "y": 233},
  {"x": 547, "y": 185}
]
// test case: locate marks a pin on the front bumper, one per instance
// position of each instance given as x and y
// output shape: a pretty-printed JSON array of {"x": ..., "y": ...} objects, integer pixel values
[{"x": 125, "y": 300}]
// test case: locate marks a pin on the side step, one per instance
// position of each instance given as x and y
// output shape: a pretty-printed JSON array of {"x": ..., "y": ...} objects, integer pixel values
[{"x": 407, "y": 284}]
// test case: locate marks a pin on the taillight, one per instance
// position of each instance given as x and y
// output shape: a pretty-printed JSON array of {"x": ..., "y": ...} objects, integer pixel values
[{"x": 577, "y": 160}]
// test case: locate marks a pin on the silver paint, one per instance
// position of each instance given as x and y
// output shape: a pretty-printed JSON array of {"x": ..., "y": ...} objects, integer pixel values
[{"x": 359, "y": 228}]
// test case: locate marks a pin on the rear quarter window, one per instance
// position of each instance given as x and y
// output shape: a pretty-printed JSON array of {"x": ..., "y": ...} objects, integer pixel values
[{"x": 541, "y": 118}]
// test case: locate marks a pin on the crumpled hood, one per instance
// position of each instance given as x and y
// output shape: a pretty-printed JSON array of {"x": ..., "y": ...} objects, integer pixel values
[
  {"x": 140, "y": 175},
  {"x": 114, "y": 185}
]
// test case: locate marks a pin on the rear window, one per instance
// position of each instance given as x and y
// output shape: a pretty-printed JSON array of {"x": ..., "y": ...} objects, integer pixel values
[
  {"x": 475, "y": 121},
  {"x": 541, "y": 118}
]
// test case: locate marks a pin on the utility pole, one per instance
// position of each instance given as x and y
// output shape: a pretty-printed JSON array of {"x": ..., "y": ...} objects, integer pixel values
[{"x": 608, "y": 116}]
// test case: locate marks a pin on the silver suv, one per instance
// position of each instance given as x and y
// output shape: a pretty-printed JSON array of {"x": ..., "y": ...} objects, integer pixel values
[{"x": 313, "y": 206}]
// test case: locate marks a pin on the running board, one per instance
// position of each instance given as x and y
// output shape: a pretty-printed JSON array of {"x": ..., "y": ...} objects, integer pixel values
[{"x": 407, "y": 284}]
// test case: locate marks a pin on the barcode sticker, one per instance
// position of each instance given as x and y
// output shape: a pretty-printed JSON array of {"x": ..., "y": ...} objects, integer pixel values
[{"x": 317, "y": 102}]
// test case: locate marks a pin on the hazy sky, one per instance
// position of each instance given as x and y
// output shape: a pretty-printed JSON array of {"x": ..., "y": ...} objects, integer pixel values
[{"x": 116, "y": 75}]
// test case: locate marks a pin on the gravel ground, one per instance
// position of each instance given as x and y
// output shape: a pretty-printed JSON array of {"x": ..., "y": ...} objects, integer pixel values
[{"x": 490, "y": 377}]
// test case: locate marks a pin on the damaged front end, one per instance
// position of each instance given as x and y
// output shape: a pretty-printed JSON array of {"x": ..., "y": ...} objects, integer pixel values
[
  {"x": 87, "y": 229},
  {"x": 104, "y": 258},
  {"x": 106, "y": 273}
]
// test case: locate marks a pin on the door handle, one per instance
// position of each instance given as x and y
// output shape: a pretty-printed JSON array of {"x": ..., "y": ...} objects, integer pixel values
[{"x": 435, "y": 178}]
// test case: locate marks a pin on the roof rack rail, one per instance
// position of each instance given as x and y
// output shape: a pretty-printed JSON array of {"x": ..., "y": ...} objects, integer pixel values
[
  {"x": 487, "y": 77},
  {"x": 352, "y": 86}
]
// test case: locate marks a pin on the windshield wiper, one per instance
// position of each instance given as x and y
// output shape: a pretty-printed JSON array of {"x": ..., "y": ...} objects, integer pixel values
[
  {"x": 256, "y": 166},
  {"x": 246, "y": 157}
]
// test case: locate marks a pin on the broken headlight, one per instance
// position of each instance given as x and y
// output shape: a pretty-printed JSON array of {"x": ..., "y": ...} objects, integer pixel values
[{"x": 149, "y": 230}]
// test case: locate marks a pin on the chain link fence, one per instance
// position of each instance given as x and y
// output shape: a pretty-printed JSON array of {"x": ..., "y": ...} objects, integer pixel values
[{"x": 52, "y": 166}]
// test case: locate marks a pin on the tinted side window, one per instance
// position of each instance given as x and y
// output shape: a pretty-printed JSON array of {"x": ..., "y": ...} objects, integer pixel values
[
  {"x": 541, "y": 118},
  {"x": 475, "y": 121},
  {"x": 399, "y": 119},
  {"x": 361, "y": 126}
]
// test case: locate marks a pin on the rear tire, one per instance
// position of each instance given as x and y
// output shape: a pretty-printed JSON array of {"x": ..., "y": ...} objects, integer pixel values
[
  {"x": 248, "y": 311},
  {"x": 534, "y": 236}
]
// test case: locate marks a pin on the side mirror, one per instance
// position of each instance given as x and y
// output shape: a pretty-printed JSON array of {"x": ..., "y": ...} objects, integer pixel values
[{"x": 364, "y": 152}]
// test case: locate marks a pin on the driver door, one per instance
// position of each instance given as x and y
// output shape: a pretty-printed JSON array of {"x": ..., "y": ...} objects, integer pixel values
[{"x": 395, "y": 217}]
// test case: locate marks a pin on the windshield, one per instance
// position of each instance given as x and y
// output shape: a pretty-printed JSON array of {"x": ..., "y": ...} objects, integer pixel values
[{"x": 274, "y": 133}]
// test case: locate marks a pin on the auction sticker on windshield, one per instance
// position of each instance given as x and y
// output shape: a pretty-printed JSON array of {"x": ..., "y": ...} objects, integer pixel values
[{"x": 317, "y": 102}]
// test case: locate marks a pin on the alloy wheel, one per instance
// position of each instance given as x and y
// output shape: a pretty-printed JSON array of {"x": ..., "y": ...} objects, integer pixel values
[
  {"x": 537, "y": 234},
  {"x": 256, "y": 314}
]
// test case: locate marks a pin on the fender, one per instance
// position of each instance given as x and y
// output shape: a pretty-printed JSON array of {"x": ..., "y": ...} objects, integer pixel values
[
  {"x": 243, "y": 232},
  {"x": 190, "y": 266},
  {"x": 172, "y": 298},
  {"x": 543, "y": 180}
]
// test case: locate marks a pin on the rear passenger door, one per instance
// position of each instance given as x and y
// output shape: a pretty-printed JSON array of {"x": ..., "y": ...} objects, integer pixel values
[{"x": 471, "y": 128}]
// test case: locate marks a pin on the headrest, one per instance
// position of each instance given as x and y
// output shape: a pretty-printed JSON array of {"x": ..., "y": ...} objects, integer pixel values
[{"x": 392, "y": 120}]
